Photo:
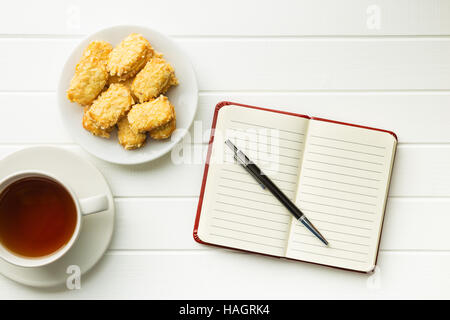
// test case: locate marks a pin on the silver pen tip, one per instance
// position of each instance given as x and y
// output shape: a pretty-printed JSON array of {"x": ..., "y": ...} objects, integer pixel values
[{"x": 313, "y": 229}]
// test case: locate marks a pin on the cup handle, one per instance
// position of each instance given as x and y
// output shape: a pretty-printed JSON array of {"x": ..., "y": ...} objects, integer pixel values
[{"x": 93, "y": 204}]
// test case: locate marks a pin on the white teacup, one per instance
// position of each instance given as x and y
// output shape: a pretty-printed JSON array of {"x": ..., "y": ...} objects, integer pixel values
[{"x": 84, "y": 207}]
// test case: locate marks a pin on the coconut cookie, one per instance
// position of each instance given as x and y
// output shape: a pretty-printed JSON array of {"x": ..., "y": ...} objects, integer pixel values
[{"x": 129, "y": 57}]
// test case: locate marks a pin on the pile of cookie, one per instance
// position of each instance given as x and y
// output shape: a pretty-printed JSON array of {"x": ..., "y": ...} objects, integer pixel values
[{"x": 124, "y": 87}]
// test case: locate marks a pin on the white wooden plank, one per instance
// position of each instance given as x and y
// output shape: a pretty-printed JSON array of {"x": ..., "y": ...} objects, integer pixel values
[
  {"x": 423, "y": 171},
  {"x": 416, "y": 224},
  {"x": 37, "y": 116},
  {"x": 414, "y": 117},
  {"x": 155, "y": 224},
  {"x": 295, "y": 64},
  {"x": 167, "y": 224},
  {"x": 33, "y": 64},
  {"x": 401, "y": 112},
  {"x": 229, "y": 275},
  {"x": 419, "y": 171},
  {"x": 234, "y": 17},
  {"x": 156, "y": 178},
  {"x": 321, "y": 64}
]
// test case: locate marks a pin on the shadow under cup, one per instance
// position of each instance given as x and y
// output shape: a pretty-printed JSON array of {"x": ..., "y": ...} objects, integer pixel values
[{"x": 39, "y": 219}]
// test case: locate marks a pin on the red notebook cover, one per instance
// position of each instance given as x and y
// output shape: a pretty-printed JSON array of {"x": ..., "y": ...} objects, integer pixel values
[{"x": 208, "y": 156}]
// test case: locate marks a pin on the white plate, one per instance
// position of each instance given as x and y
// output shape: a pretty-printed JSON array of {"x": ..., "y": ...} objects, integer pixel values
[
  {"x": 86, "y": 181},
  {"x": 183, "y": 97}
]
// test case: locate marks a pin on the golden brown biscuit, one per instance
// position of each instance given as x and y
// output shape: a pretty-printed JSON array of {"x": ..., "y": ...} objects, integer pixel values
[
  {"x": 150, "y": 115},
  {"x": 111, "y": 105},
  {"x": 126, "y": 82},
  {"x": 90, "y": 73},
  {"x": 127, "y": 138},
  {"x": 90, "y": 126},
  {"x": 155, "y": 79},
  {"x": 129, "y": 57},
  {"x": 129, "y": 81},
  {"x": 165, "y": 131}
]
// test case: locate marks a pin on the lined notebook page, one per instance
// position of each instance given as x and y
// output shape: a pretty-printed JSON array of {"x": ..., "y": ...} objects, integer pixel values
[
  {"x": 342, "y": 190},
  {"x": 236, "y": 211}
]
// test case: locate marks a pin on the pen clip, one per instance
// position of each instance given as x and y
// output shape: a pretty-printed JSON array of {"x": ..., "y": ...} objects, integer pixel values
[
  {"x": 242, "y": 159},
  {"x": 249, "y": 171}
]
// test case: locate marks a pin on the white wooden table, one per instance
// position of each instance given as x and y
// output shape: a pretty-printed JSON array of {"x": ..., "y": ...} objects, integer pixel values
[{"x": 380, "y": 63}]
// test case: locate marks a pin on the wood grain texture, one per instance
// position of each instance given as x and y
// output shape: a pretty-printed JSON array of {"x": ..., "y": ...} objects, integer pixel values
[
  {"x": 167, "y": 224},
  {"x": 379, "y": 63},
  {"x": 233, "y": 17},
  {"x": 415, "y": 117},
  {"x": 221, "y": 274},
  {"x": 419, "y": 171},
  {"x": 263, "y": 64}
]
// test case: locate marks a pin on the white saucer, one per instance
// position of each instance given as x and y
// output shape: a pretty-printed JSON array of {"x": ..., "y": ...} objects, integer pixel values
[{"x": 86, "y": 181}]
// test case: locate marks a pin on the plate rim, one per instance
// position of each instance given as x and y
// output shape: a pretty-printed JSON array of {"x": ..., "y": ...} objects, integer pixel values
[{"x": 178, "y": 138}]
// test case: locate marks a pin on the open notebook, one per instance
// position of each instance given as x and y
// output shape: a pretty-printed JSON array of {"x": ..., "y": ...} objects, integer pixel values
[{"x": 337, "y": 174}]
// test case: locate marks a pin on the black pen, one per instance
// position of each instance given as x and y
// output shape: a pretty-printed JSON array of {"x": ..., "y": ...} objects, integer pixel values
[{"x": 265, "y": 182}]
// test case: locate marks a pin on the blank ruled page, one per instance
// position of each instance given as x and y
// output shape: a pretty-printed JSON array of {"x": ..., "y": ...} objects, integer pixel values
[
  {"x": 342, "y": 189},
  {"x": 236, "y": 211}
]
